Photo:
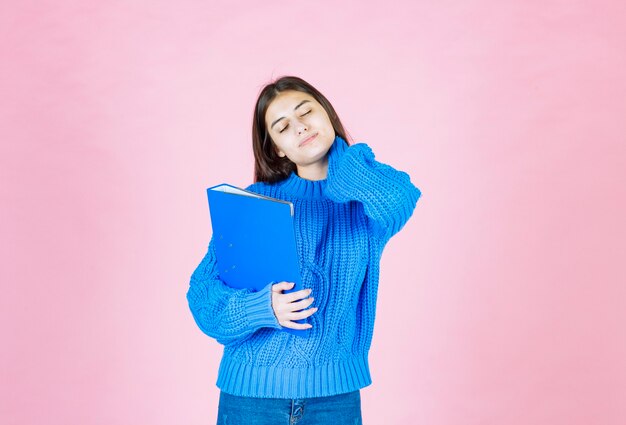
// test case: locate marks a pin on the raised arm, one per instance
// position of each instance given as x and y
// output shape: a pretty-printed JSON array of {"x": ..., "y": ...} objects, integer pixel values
[
  {"x": 388, "y": 196},
  {"x": 227, "y": 314}
]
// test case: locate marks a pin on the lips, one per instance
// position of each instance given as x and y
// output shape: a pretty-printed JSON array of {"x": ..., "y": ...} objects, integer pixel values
[{"x": 308, "y": 140}]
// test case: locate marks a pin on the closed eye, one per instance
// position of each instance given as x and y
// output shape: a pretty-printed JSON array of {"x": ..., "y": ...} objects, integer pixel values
[{"x": 285, "y": 127}]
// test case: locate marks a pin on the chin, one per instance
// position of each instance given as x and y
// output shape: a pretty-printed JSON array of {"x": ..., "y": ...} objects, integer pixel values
[{"x": 312, "y": 157}]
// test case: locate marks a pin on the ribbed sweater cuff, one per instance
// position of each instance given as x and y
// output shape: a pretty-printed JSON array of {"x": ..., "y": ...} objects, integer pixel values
[{"x": 259, "y": 308}]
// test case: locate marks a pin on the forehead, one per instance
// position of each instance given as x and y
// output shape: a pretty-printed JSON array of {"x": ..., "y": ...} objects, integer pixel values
[{"x": 284, "y": 103}]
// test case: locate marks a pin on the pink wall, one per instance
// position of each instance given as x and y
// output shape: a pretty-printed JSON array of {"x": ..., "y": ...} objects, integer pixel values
[{"x": 501, "y": 301}]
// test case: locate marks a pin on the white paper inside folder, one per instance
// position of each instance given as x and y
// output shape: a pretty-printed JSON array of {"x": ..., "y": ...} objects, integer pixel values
[{"x": 226, "y": 188}]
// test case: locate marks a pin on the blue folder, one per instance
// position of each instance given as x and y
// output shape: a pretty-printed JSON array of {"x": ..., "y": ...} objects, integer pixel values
[{"x": 254, "y": 240}]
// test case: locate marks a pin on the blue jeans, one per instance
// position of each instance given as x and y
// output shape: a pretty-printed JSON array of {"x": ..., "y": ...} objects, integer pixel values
[{"x": 340, "y": 409}]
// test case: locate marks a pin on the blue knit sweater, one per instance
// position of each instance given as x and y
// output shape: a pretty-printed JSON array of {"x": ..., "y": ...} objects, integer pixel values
[{"x": 342, "y": 224}]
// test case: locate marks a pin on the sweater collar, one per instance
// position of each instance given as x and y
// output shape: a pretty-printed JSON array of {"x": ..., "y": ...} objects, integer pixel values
[{"x": 302, "y": 188}]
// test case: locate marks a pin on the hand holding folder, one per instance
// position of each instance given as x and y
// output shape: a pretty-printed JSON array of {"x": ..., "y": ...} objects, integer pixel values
[{"x": 254, "y": 240}]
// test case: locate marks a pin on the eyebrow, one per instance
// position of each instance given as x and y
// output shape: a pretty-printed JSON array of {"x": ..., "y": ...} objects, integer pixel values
[{"x": 299, "y": 104}]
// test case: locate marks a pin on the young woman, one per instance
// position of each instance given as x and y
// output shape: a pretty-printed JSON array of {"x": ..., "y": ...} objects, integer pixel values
[{"x": 347, "y": 207}]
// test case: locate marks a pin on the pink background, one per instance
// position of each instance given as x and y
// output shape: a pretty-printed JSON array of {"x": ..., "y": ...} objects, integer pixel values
[{"x": 502, "y": 301}]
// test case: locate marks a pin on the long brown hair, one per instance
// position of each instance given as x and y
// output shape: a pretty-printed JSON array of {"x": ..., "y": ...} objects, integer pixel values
[{"x": 268, "y": 166}]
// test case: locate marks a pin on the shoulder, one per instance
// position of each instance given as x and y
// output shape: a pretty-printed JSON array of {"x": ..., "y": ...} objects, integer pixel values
[
  {"x": 260, "y": 188},
  {"x": 361, "y": 147},
  {"x": 271, "y": 189},
  {"x": 254, "y": 187}
]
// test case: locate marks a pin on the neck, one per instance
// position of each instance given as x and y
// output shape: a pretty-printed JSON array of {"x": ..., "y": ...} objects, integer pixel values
[{"x": 316, "y": 171}]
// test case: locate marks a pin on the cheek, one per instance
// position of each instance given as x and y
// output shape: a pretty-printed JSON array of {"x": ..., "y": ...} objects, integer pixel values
[
  {"x": 283, "y": 145},
  {"x": 325, "y": 122}
]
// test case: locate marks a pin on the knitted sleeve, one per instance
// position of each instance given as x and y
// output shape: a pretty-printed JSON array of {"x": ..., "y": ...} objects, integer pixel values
[
  {"x": 388, "y": 196},
  {"x": 227, "y": 314}
]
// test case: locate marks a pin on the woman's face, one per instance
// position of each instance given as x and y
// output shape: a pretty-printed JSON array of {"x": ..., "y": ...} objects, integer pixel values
[{"x": 300, "y": 128}]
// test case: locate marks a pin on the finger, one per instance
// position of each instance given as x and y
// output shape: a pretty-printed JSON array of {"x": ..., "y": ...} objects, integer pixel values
[
  {"x": 298, "y": 295},
  {"x": 295, "y": 306},
  {"x": 294, "y": 325},
  {"x": 301, "y": 314},
  {"x": 282, "y": 286}
]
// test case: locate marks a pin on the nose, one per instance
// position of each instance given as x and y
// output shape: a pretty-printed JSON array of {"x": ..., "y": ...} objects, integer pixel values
[{"x": 301, "y": 128}]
